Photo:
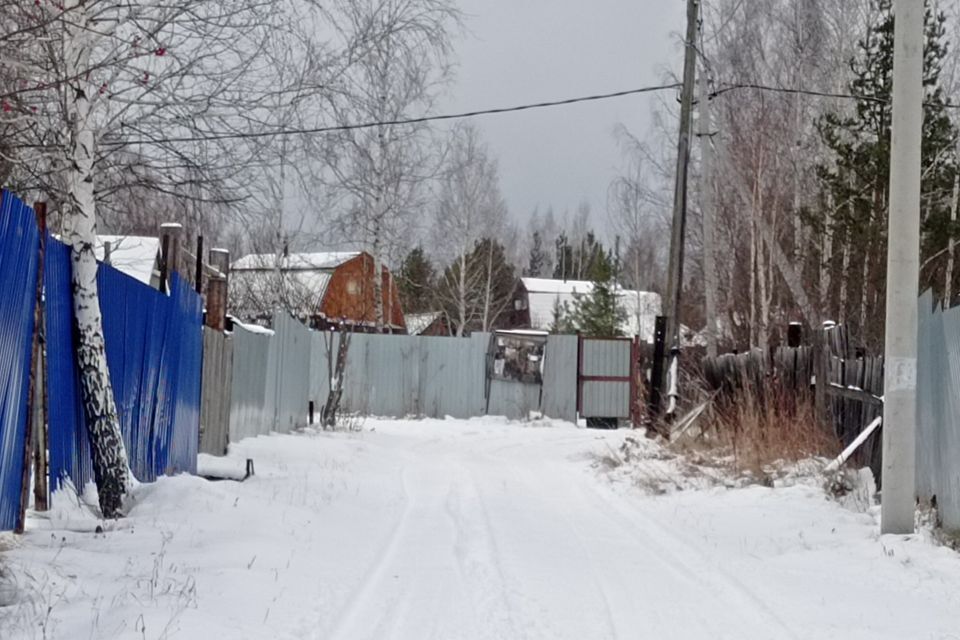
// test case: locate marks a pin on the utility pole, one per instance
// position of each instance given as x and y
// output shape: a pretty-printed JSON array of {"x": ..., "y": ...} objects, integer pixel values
[
  {"x": 707, "y": 212},
  {"x": 671, "y": 306},
  {"x": 903, "y": 273}
]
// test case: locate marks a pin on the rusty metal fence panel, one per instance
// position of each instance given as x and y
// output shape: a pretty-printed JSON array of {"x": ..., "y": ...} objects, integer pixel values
[
  {"x": 216, "y": 392},
  {"x": 605, "y": 378}
]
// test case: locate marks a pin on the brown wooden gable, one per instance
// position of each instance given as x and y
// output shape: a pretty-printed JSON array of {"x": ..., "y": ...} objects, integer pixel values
[{"x": 350, "y": 296}]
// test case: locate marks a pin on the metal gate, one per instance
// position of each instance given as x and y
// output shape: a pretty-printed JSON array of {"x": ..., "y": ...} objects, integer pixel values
[{"x": 606, "y": 384}]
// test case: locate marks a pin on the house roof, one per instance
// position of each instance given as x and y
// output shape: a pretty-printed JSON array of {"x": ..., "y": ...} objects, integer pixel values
[
  {"x": 543, "y": 295},
  {"x": 135, "y": 256},
  {"x": 417, "y": 323},
  {"x": 294, "y": 261}
]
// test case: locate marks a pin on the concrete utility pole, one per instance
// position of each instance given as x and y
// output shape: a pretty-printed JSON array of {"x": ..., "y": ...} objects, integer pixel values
[
  {"x": 903, "y": 273},
  {"x": 671, "y": 306}
]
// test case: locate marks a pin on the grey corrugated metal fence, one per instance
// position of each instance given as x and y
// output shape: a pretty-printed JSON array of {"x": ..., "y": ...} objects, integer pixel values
[
  {"x": 276, "y": 374},
  {"x": 560, "y": 378},
  {"x": 216, "y": 391},
  {"x": 938, "y": 409},
  {"x": 249, "y": 414},
  {"x": 289, "y": 370},
  {"x": 404, "y": 375}
]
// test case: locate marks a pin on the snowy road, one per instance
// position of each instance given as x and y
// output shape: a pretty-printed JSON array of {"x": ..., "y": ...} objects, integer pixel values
[{"x": 479, "y": 529}]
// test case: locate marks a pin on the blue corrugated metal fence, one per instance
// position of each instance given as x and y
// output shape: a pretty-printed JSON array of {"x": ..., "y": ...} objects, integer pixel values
[
  {"x": 18, "y": 286},
  {"x": 154, "y": 348}
]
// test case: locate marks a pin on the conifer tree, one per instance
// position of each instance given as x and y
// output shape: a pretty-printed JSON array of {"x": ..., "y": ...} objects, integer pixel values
[
  {"x": 538, "y": 257},
  {"x": 599, "y": 313},
  {"x": 856, "y": 182},
  {"x": 417, "y": 281}
]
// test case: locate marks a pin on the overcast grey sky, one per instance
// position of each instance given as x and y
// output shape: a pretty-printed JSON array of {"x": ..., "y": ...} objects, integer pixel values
[{"x": 531, "y": 50}]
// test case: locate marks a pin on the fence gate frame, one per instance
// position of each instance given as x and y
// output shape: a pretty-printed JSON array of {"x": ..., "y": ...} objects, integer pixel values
[{"x": 632, "y": 410}]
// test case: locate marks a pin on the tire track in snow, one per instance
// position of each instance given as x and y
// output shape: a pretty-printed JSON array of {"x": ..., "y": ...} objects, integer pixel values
[
  {"x": 477, "y": 558},
  {"x": 357, "y": 602},
  {"x": 683, "y": 549},
  {"x": 527, "y": 487}
]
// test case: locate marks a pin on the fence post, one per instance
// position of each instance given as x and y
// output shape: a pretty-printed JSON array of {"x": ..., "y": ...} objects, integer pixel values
[
  {"x": 656, "y": 373},
  {"x": 216, "y": 317},
  {"x": 29, "y": 423},
  {"x": 635, "y": 382},
  {"x": 198, "y": 282},
  {"x": 41, "y": 437},
  {"x": 219, "y": 259},
  {"x": 820, "y": 357},
  {"x": 170, "y": 243}
]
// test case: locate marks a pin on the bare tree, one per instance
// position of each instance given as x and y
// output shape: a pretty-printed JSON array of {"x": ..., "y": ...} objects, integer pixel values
[
  {"x": 154, "y": 98},
  {"x": 382, "y": 171},
  {"x": 469, "y": 209},
  {"x": 633, "y": 210}
]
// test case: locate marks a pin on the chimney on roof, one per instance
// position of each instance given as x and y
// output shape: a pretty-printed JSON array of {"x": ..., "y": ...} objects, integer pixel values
[{"x": 106, "y": 252}]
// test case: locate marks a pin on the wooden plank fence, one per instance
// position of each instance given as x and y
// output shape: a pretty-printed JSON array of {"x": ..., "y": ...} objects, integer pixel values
[{"x": 852, "y": 394}]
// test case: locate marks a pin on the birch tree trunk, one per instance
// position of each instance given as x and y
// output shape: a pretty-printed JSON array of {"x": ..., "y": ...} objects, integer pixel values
[
  {"x": 763, "y": 329},
  {"x": 826, "y": 260},
  {"x": 462, "y": 294},
  {"x": 753, "y": 274},
  {"x": 948, "y": 280},
  {"x": 488, "y": 289},
  {"x": 707, "y": 206},
  {"x": 377, "y": 286},
  {"x": 376, "y": 249},
  {"x": 106, "y": 442}
]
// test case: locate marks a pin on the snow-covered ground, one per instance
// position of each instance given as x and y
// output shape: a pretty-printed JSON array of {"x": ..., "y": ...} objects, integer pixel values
[{"x": 470, "y": 529}]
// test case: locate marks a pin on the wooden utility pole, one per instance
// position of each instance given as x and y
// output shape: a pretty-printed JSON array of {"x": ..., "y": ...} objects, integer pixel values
[
  {"x": 903, "y": 273},
  {"x": 707, "y": 213},
  {"x": 671, "y": 307}
]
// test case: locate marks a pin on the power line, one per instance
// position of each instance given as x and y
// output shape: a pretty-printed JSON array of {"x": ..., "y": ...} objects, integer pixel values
[
  {"x": 722, "y": 89},
  {"x": 403, "y": 121},
  {"x": 731, "y": 87}
]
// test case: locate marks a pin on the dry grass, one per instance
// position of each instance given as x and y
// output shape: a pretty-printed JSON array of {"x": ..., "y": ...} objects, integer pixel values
[{"x": 760, "y": 431}]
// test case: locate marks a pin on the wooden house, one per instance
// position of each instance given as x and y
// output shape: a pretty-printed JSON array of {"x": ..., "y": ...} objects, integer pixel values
[
  {"x": 537, "y": 302},
  {"x": 321, "y": 289}
]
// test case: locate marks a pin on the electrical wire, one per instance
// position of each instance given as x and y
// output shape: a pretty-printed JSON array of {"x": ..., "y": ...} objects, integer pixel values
[
  {"x": 404, "y": 121},
  {"x": 722, "y": 89}
]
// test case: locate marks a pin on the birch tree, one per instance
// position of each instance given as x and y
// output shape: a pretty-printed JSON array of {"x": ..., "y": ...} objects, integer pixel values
[
  {"x": 469, "y": 208},
  {"x": 155, "y": 95},
  {"x": 383, "y": 171},
  {"x": 632, "y": 208}
]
